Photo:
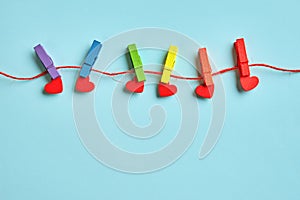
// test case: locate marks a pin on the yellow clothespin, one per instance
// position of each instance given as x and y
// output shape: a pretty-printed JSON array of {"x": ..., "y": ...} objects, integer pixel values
[{"x": 169, "y": 64}]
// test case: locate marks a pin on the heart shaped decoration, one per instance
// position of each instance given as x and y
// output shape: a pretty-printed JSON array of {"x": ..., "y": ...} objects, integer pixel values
[
  {"x": 166, "y": 90},
  {"x": 55, "y": 86},
  {"x": 249, "y": 83},
  {"x": 205, "y": 91},
  {"x": 135, "y": 86},
  {"x": 84, "y": 84}
]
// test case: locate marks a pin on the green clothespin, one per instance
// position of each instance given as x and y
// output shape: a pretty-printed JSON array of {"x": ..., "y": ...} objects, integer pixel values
[{"x": 136, "y": 62}]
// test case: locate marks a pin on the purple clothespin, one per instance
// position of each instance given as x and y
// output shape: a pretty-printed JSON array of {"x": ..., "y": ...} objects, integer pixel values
[
  {"x": 55, "y": 86},
  {"x": 47, "y": 61}
]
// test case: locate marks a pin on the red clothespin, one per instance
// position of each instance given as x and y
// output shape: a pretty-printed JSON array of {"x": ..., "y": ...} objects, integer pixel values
[
  {"x": 207, "y": 89},
  {"x": 247, "y": 82}
]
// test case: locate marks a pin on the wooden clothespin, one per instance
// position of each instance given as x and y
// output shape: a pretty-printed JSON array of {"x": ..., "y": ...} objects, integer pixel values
[
  {"x": 83, "y": 83},
  {"x": 207, "y": 89},
  {"x": 247, "y": 82},
  {"x": 165, "y": 89},
  {"x": 55, "y": 86},
  {"x": 137, "y": 84}
]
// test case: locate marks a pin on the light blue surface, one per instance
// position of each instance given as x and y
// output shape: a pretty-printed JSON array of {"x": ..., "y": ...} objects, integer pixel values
[{"x": 257, "y": 156}]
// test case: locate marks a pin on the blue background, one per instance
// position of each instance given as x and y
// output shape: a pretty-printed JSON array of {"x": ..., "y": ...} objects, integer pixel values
[{"x": 257, "y": 156}]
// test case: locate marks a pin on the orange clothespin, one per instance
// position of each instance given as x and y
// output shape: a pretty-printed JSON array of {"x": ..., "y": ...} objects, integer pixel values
[
  {"x": 247, "y": 82},
  {"x": 207, "y": 89}
]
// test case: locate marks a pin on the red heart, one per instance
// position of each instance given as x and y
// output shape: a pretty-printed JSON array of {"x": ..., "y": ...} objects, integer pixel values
[
  {"x": 55, "y": 86},
  {"x": 205, "y": 91},
  {"x": 84, "y": 84},
  {"x": 249, "y": 83},
  {"x": 135, "y": 86},
  {"x": 165, "y": 90}
]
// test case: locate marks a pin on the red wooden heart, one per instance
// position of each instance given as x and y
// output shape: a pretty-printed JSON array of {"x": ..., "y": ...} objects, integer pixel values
[
  {"x": 205, "y": 91},
  {"x": 249, "y": 83},
  {"x": 55, "y": 86},
  {"x": 84, "y": 84},
  {"x": 165, "y": 90},
  {"x": 135, "y": 86}
]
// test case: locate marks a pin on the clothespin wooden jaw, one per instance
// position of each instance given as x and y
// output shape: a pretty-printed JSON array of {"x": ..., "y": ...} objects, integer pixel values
[
  {"x": 137, "y": 84},
  {"x": 164, "y": 88},
  {"x": 90, "y": 59},
  {"x": 55, "y": 86},
  {"x": 136, "y": 62},
  {"x": 207, "y": 89},
  {"x": 46, "y": 61},
  {"x": 169, "y": 64},
  {"x": 247, "y": 82},
  {"x": 83, "y": 83}
]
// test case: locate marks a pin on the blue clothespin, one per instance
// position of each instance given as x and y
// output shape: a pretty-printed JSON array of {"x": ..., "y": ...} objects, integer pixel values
[
  {"x": 90, "y": 59},
  {"x": 83, "y": 83}
]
